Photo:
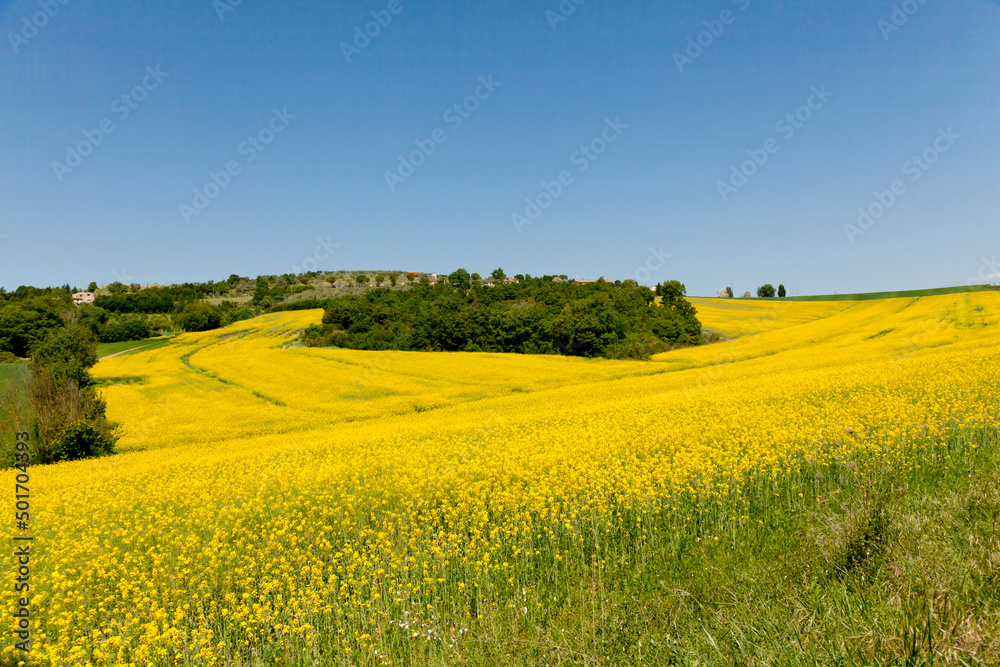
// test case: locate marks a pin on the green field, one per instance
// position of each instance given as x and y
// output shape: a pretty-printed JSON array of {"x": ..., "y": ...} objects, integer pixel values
[
  {"x": 109, "y": 349},
  {"x": 9, "y": 372}
]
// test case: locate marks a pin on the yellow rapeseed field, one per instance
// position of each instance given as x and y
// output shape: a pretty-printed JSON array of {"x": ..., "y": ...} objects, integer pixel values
[{"x": 273, "y": 500}]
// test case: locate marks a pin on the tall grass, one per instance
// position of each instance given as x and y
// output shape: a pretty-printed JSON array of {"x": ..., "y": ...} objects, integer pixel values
[{"x": 862, "y": 561}]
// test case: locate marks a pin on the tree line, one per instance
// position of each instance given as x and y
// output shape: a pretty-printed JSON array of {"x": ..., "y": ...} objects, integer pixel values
[{"x": 530, "y": 316}]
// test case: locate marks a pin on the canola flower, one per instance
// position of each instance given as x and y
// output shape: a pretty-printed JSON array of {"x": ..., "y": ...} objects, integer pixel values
[{"x": 334, "y": 506}]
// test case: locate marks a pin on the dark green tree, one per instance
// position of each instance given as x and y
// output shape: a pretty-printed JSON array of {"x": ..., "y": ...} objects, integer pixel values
[
  {"x": 781, "y": 292},
  {"x": 766, "y": 291},
  {"x": 261, "y": 292},
  {"x": 460, "y": 280},
  {"x": 200, "y": 317},
  {"x": 498, "y": 275},
  {"x": 69, "y": 353}
]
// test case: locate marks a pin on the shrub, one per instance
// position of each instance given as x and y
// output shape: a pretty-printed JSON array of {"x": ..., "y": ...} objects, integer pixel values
[{"x": 82, "y": 440}]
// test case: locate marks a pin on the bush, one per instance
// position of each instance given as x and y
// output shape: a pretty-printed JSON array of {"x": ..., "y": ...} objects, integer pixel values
[
  {"x": 82, "y": 440},
  {"x": 68, "y": 353},
  {"x": 66, "y": 422}
]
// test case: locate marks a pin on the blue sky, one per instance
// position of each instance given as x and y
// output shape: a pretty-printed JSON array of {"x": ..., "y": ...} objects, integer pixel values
[{"x": 310, "y": 189}]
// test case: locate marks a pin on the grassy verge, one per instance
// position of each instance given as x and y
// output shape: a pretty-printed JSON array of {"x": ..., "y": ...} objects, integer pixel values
[
  {"x": 10, "y": 372},
  {"x": 12, "y": 384},
  {"x": 887, "y": 568}
]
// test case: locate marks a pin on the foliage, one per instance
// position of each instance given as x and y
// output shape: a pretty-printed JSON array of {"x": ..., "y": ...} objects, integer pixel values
[
  {"x": 781, "y": 292},
  {"x": 766, "y": 291},
  {"x": 536, "y": 316},
  {"x": 729, "y": 292},
  {"x": 23, "y": 325},
  {"x": 68, "y": 353},
  {"x": 460, "y": 280},
  {"x": 126, "y": 329},
  {"x": 199, "y": 317}
]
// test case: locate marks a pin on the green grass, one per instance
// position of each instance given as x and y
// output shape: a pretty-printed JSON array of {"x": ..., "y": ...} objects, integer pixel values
[
  {"x": 108, "y": 349},
  {"x": 870, "y": 296},
  {"x": 10, "y": 372},
  {"x": 831, "y": 566}
]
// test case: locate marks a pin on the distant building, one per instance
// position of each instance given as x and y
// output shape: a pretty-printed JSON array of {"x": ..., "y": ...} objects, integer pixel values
[
  {"x": 511, "y": 280},
  {"x": 83, "y": 298},
  {"x": 583, "y": 282}
]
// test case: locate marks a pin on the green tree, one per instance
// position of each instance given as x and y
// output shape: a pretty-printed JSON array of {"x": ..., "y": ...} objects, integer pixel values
[
  {"x": 199, "y": 317},
  {"x": 394, "y": 278},
  {"x": 380, "y": 279},
  {"x": 747, "y": 295},
  {"x": 498, "y": 275},
  {"x": 766, "y": 291},
  {"x": 477, "y": 278},
  {"x": 92, "y": 287},
  {"x": 69, "y": 353},
  {"x": 460, "y": 280},
  {"x": 118, "y": 288},
  {"x": 781, "y": 292},
  {"x": 729, "y": 292},
  {"x": 671, "y": 291},
  {"x": 411, "y": 277},
  {"x": 261, "y": 292},
  {"x": 233, "y": 279},
  {"x": 361, "y": 279}
]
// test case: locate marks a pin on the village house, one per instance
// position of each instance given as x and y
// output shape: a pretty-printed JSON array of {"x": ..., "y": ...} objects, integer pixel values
[{"x": 83, "y": 298}]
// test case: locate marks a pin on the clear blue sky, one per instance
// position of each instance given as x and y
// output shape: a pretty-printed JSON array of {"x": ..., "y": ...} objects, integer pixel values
[{"x": 222, "y": 74}]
